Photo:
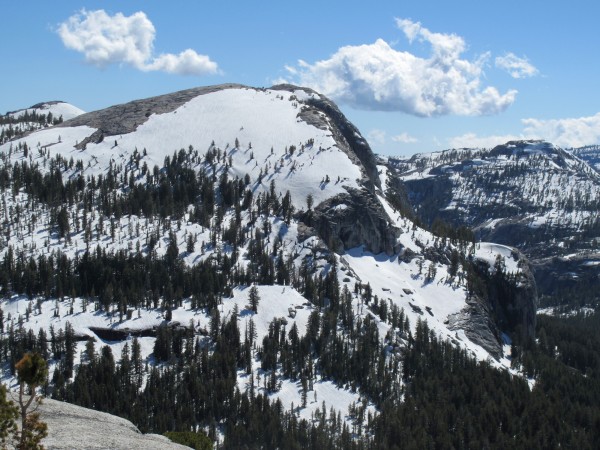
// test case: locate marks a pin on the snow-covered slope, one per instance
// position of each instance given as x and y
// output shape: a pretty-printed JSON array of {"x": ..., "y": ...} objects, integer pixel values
[
  {"x": 272, "y": 142},
  {"x": 590, "y": 154},
  {"x": 58, "y": 109},
  {"x": 42, "y": 115},
  {"x": 270, "y": 138},
  {"x": 528, "y": 194}
]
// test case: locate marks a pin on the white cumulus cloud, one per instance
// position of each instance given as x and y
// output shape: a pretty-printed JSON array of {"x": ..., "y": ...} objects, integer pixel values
[
  {"x": 566, "y": 133},
  {"x": 187, "y": 62},
  {"x": 569, "y": 132},
  {"x": 515, "y": 66},
  {"x": 104, "y": 39},
  {"x": 378, "y": 77}
]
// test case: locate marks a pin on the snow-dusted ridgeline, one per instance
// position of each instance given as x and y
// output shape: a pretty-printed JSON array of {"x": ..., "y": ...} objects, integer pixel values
[
  {"x": 56, "y": 108},
  {"x": 16, "y": 123}
]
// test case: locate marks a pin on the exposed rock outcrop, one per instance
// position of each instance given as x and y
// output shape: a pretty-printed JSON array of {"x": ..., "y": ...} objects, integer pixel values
[
  {"x": 74, "y": 427},
  {"x": 354, "y": 219},
  {"x": 499, "y": 304},
  {"x": 478, "y": 326}
]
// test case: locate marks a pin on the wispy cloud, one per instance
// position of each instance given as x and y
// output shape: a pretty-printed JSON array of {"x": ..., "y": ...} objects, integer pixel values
[
  {"x": 377, "y": 136},
  {"x": 380, "y": 137},
  {"x": 104, "y": 40},
  {"x": 515, "y": 66},
  {"x": 472, "y": 140},
  {"x": 378, "y": 77},
  {"x": 404, "y": 138}
]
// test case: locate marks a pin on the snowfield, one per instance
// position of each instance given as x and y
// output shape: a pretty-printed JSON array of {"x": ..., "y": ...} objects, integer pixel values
[
  {"x": 24, "y": 124},
  {"x": 58, "y": 109},
  {"x": 272, "y": 142},
  {"x": 264, "y": 123}
]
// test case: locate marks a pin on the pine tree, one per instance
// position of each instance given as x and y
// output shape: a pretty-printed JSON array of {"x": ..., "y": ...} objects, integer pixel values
[
  {"x": 136, "y": 360},
  {"x": 63, "y": 222},
  {"x": 309, "y": 202},
  {"x": 191, "y": 243},
  {"x": 454, "y": 261},
  {"x": 254, "y": 298},
  {"x": 32, "y": 371},
  {"x": 304, "y": 391}
]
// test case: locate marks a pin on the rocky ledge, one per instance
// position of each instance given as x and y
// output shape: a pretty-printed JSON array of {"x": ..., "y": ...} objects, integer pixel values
[{"x": 74, "y": 427}]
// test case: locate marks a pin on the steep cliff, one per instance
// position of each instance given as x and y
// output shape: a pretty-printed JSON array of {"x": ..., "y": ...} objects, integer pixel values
[{"x": 353, "y": 219}]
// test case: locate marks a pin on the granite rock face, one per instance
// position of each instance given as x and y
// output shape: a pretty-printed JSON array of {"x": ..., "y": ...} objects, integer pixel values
[
  {"x": 74, "y": 427},
  {"x": 518, "y": 309},
  {"x": 476, "y": 322},
  {"x": 354, "y": 219},
  {"x": 504, "y": 306}
]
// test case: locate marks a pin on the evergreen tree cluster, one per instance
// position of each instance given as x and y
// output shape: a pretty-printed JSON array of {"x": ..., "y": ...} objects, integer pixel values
[
  {"x": 427, "y": 392},
  {"x": 13, "y": 127}
]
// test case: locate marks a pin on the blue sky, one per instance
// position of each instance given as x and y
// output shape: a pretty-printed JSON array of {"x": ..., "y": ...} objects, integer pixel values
[{"x": 413, "y": 76}]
